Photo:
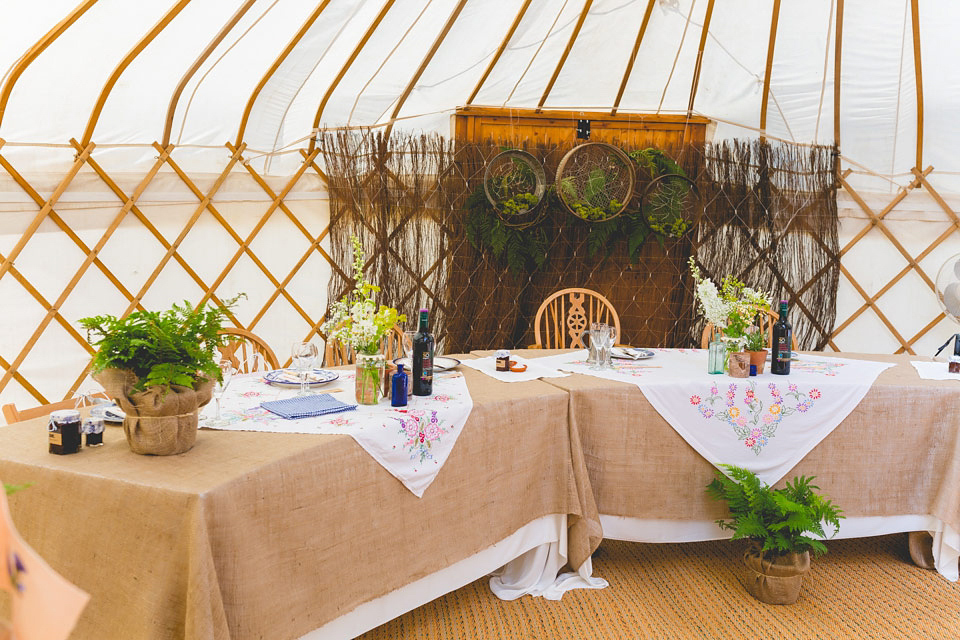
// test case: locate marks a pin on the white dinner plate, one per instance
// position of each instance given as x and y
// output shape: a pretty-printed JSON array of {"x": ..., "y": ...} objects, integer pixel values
[
  {"x": 291, "y": 377},
  {"x": 440, "y": 363},
  {"x": 109, "y": 412},
  {"x": 630, "y": 353}
]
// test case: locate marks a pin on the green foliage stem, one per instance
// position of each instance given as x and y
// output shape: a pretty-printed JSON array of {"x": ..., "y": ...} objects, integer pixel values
[{"x": 10, "y": 489}]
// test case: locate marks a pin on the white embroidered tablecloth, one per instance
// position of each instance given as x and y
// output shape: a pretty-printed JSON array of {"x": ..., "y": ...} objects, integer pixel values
[
  {"x": 411, "y": 442},
  {"x": 535, "y": 369},
  {"x": 934, "y": 370},
  {"x": 766, "y": 423}
]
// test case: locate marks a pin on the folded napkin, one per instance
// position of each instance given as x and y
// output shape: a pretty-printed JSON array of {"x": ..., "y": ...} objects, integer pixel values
[{"x": 307, "y": 406}]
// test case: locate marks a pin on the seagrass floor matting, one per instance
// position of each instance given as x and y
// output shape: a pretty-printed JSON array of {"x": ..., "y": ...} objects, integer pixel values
[{"x": 863, "y": 588}]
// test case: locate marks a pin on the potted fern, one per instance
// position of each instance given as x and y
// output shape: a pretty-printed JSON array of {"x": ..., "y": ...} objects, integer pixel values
[
  {"x": 160, "y": 367},
  {"x": 779, "y": 523}
]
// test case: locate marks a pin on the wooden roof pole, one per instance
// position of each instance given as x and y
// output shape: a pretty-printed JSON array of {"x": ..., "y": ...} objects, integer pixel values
[
  {"x": 503, "y": 47},
  {"x": 423, "y": 65},
  {"x": 175, "y": 98},
  {"x": 918, "y": 69},
  {"x": 633, "y": 56},
  {"x": 566, "y": 52},
  {"x": 276, "y": 65},
  {"x": 344, "y": 69},
  {"x": 20, "y": 66},
  {"x": 697, "y": 67},
  {"x": 118, "y": 71},
  {"x": 771, "y": 45},
  {"x": 837, "y": 57}
]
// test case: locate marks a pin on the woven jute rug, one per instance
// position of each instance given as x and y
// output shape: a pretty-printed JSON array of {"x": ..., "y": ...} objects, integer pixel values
[{"x": 863, "y": 588}]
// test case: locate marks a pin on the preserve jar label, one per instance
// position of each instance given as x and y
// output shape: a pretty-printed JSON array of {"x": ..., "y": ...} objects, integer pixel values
[{"x": 56, "y": 438}]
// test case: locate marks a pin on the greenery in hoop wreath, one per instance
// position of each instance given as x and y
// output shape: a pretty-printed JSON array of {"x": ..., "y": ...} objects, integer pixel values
[
  {"x": 664, "y": 209},
  {"x": 660, "y": 216},
  {"x": 524, "y": 249}
]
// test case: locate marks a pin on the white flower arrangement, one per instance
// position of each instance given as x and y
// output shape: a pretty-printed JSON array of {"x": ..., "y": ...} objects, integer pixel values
[
  {"x": 356, "y": 320},
  {"x": 732, "y": 308}
]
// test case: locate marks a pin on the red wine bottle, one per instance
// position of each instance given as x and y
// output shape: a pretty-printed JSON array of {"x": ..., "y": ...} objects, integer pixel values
[
  {"x": 423, "y": 358},
  {"x": 782, "y": 341}
]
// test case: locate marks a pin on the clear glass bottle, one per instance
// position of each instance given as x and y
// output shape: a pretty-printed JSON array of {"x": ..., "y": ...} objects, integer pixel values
[{"x": 716, "y": 357}]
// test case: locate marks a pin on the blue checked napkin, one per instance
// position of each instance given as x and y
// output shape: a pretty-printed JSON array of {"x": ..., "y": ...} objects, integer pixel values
[{"x": 307, "y": 406}]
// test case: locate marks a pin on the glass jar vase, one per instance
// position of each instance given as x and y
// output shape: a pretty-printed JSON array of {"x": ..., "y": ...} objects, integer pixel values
[
  {"x": 369, "y": 382},
  {"x": 717, "y": 357}
]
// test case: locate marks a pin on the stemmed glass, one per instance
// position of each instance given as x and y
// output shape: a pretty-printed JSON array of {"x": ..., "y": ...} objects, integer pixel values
[
  {"x": 303, "y": 355},
  {"x": 408, "y": 337},
  {"x": 226, "y": 374},
  {"x": 598, "y": 333},
  {"x": 609, "y": 340}
]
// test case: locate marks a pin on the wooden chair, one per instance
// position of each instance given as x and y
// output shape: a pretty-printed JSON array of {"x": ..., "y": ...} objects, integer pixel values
[
  {"x": 248, "y": 352},
  {"x": 337, "y": 354},
  {"x": 11, "y": 414},
  {"x": 566, "y": 314},
  {"x": 768, "y": 318}
]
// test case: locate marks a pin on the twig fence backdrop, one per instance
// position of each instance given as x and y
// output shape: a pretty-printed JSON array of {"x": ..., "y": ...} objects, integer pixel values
[{"x": 765, "y": 213}]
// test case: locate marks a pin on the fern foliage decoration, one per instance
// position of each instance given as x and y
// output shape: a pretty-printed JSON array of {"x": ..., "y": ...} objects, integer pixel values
[
  {"x": 784, "y": 520},
  {"x": 523, "y": 249},
  {"x": 175, "y": 346}
]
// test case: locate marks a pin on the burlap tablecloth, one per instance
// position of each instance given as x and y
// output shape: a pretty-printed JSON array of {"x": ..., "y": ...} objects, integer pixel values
[
  {"x": 253, "y": 535},
  {"x": 897, "y": 453}
]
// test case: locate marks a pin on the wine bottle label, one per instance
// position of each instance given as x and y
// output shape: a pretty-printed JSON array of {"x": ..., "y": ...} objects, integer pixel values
[
  {"x": 427, "y": 363},
  {"x": 783, "y": 353}
]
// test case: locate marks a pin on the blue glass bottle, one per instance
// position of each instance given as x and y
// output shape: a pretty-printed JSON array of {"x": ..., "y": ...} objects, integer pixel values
[{"x": 398, "y": 388}]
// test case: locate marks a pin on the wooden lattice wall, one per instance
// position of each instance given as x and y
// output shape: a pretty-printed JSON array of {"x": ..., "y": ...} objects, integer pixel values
[{"x": 289, "y": 269}]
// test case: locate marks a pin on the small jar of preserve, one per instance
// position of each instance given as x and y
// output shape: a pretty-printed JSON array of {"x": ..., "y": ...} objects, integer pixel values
[
  {"x": 954, "y": 365},
  {"x": 64, "y": 431},
  {"x": 93, "y": 431},
  {"x": 503, "y": 360}
]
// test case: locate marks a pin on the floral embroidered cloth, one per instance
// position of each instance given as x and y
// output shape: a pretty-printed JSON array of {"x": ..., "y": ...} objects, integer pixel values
[
  {"x": 766, "y": 423},
  {"x": 411, "y": 442},
  {"x": 934, "y": 370}
]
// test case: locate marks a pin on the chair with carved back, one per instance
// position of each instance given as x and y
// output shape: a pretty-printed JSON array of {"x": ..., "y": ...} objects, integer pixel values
[
  {"x": 11, "y": 414},
  {"x": 565, "y": 315},
  {"x": 248, "y": 352},
  {"x": 767, "y": 318},
  {"x": 337, "y": 354}
]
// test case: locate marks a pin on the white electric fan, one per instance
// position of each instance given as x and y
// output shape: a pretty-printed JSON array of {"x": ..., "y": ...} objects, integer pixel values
[{"x": 948, "y": 295}]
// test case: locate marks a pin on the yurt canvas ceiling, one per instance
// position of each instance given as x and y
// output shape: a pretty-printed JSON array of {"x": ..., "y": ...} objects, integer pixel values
[
  {"x": 154, "y": 151},
  {"x": 357, "y": 58}
]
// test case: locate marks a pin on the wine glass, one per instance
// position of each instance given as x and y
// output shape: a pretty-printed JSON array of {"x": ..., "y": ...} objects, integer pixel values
[
  {"x": 303, "y": 356},
  {"x": 610, "y": 340},
  {"x": 408, "y": 344},
  {"x": 598, "y": 332},
  {"x": 226, "y": 374}
]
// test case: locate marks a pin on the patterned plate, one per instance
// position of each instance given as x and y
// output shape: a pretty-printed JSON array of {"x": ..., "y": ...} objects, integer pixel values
[
  {"x": 291, "y": 377},
  {"x": 109, "y": 412},
  {"x": 629, "y": 353}
]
